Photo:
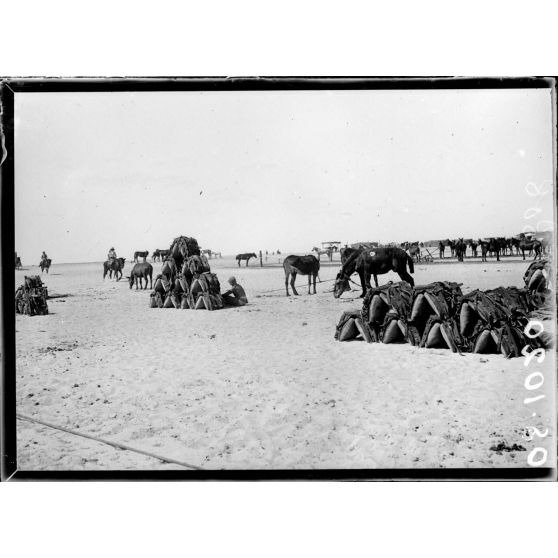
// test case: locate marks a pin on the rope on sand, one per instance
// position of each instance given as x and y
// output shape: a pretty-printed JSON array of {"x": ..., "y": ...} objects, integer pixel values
[
  {"x": 283, "y": 288},
  {"x": 109, "y": 443}
]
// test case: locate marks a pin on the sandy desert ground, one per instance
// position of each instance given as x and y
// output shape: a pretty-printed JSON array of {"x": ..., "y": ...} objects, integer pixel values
[{"x": 263, "y": 386}]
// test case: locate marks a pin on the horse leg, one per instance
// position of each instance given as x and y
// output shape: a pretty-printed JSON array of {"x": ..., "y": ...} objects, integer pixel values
[
  {"x": 293, "y": 277},
  {"x": 309, "y": 282},
  {"x": 362, "y": 283},
  {"x": 238, "y": 262},
  {"x": 287, "y": 282},
  {"x": 406, "y": 277},
  {"x": 315, "y": 275}
]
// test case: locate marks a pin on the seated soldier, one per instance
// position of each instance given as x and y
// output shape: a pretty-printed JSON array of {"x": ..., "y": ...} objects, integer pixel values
[
  {"x": 111, "y": 255},
  {"x": 44, "y": 256},
  {"x": 235, "y": 296}
]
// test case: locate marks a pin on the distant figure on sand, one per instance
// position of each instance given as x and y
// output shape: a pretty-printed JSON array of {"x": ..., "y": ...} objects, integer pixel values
[
  {"x": 45, "y": 262},
  {"x": 236, "y": 296}
]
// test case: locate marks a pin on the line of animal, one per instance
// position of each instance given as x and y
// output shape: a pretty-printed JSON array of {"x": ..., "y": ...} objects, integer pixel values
[
  {"x": 374, "y": 262},
  {"x": 139, "y": 272},
  {"x": 245, "y": 257},
  {"x": 116, "y": 266},
  {"x": 159, "y": 255},
  {"x": 141, "y": 255},
  {"x": 303, "y": 265}
]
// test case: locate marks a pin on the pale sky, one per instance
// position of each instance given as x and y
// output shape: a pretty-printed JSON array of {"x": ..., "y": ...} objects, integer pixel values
[{"x": 244, "y": 171}]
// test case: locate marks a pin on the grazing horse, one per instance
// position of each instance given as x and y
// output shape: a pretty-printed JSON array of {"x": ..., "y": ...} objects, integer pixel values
[
  {"x": 373, "y": 262},
  {"x": 113, "y": 265},
  {"x": 474, "y": 251},
  {"x": 246, "y": 257},
  {"x": 530, "y": 244},
  {"x": 141, "y": 271},
  {"x": 305, "y": 265},
  {"x": 347, "y": 252},
  {"x": 327, "y": 251},
  {"x": 45, "y": 264},
  {"x": 141, "y": 255}
]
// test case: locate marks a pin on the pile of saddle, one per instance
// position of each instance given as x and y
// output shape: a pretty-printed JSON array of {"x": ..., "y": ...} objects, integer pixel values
[
  {"x": 186, "y": 281},
  {"x": 31, "y": 297},
  {"x": 439, "y": 315}
]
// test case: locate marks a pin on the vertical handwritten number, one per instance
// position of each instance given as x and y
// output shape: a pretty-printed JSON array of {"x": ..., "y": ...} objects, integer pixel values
[
  {"x": 531, "y": 212},
  {"x": 531, "y": 459},
  {"x": 531, "y": 325},
  {"x": 530, "y": 354},
  {"x": 528, "y": 381}
]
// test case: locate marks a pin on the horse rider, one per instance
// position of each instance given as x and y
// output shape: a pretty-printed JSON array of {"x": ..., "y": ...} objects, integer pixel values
[
  {"x": 111, "y": 255},
  {"x": 44, "y": 257},
  {"x": 236, "y": 296}
]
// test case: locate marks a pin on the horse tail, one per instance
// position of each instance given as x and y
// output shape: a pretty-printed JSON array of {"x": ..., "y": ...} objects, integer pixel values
[{"x": 411, "y": 263}]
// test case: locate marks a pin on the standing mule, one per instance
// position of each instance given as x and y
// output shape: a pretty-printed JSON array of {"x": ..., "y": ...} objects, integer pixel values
[
  {"x": 373, "y": 262},
  {"x": 246, "y": 257},
  {"x": 530, "y": 244},
  {"x": 141, "y": 255},
  {"x": 459, "y": 249},
  {"x": 305, "y": 265}
]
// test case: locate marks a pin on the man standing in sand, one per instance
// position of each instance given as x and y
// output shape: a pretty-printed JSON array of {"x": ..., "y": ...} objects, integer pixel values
[{"x": 235, "y": 296}]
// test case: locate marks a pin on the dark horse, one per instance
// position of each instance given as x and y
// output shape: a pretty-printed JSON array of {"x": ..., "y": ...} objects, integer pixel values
[
  {"x": 246, "y": 257},
  {"x": 373, "y": 262},
  {"x": 141, "y": 255},
  {"x": 305, "y": 265},
  {"x": 473, "y": 246},
  {"x": 459, "y": 248},
  {"x": 530, "y": 244},
  {"x": 113, "y": 265},
  {"x": 45, "y": 264},
  {"x": 141, "y": 271},
  {"x": 17, "y": 262}
]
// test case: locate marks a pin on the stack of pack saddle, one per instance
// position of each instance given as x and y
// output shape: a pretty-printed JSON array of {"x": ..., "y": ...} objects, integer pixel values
[
  {"x": 383, "y": 316},
  {"x": 385, "y": 310},
  {"x": 493, "y": 321},
  {"x": 31, "y": 297},
  {"x": 194, "y": 287},
  {"x": 537, "y": 282},
  {"x": 431, "y": 322}
]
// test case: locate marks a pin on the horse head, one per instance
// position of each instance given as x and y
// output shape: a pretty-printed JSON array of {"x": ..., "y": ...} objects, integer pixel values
[{"x": 341, "y": 285}]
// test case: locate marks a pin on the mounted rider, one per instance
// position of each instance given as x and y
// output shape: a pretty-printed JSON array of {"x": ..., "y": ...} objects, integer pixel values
[
  {"x": 111, "y": 256},
  {"x": 44, "y": 257}
]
